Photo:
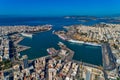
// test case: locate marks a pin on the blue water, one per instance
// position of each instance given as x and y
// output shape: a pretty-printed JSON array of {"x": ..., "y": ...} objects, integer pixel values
[{"x": 41, "y": 41}]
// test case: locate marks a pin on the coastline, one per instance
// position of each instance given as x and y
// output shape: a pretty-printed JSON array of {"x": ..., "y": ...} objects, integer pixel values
[
  {"x": 108, "y": 59},
  {"x": 16, "y": 37},
  {"x": 107, "y": 63}
]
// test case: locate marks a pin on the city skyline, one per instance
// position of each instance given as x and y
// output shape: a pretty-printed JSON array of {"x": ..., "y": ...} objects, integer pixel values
[{"x": 59, "y": 8}]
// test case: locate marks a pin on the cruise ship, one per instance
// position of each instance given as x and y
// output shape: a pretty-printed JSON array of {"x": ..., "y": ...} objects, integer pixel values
[
  {"x": 92, "y": 44},
  {"x": 27, "y": 35},
  {"x": 75, "y": 41}
]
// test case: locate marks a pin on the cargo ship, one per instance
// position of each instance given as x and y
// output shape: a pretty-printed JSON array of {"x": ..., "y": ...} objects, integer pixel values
[{"x": 27, "y": 35}]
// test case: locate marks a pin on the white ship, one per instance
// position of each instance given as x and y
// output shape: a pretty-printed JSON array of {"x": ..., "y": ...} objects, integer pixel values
[
  {"x": 27, "y": 35},
  {"x": 75, "y": 41},
  {"x": 92, "y": 44},
  {"x": 62, "y": 37}
]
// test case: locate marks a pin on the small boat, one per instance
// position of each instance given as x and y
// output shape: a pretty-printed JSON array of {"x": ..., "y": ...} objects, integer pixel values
[
  {"x": 53, "y": 31},
  {"x": 60, "y": 43},
  {"x": 48, "y": 50}
]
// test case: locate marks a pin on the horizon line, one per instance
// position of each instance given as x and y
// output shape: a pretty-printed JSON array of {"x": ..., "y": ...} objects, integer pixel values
[{"x": 15, "y": 15}]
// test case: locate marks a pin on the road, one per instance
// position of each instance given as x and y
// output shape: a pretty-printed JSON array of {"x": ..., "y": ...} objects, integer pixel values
[{"x": 108, "y": 57}]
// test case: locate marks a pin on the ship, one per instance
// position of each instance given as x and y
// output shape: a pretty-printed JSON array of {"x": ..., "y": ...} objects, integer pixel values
[
  {"x": 63, "y": 38},
  {"x": 48, "y": 50},
  {"x": 51, "y": 51},
  {"x": 60, "y": 43},
  {"x": 75, "y": 41},
  {"x": 27, "y": 35},
  {"x": 92, "y": 44},
  {"x": 53, "y": 31}
]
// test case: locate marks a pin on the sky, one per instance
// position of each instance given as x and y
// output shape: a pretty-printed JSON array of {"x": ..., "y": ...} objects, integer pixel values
[{"x": 59, "y": 7}]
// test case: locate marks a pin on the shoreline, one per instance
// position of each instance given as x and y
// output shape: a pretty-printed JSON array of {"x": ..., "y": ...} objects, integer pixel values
[
  {"x": 14, "y": 33},
  {"x": 108, "y": 60},
  {"x": 23, "y": 37}
]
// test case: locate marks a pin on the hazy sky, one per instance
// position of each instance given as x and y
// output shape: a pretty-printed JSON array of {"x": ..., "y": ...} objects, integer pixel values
[{"x": 59, "y": 7}]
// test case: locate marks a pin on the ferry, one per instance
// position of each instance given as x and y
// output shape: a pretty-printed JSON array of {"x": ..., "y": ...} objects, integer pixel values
[
  {"x": 27, "y": 35},
  {"x": 75, "y": 41}
]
